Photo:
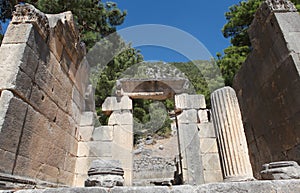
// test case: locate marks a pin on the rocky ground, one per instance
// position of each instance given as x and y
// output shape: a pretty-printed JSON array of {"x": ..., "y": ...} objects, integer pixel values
[{"x": 276, "y": 186}]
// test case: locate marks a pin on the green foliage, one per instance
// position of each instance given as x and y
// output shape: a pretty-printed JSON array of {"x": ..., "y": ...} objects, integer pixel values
[
  {"x": 94, "y": 19},
  {"x": 203, "y": 75},
  {"x": 109, "y": 60},
  {"x": 151, "y": 118},
  {"x": 238, "y": 18}
]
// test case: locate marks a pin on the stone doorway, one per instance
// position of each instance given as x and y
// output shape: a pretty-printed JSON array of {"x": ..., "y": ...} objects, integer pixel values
[{"x": 191, "y": 110}]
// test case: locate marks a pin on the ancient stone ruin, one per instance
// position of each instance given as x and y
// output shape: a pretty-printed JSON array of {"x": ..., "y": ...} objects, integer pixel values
[
  {"x": 268, "y": 86},
  {"x": 48, "y": 137}
]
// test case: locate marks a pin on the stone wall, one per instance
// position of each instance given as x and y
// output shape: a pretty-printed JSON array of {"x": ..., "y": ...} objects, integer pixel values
[
  {"x": 110, "y": 142},
  {"x": 147, "y": 169},
  {"x": 268, "y": 86},
  {"x": 42, "y": 83}
]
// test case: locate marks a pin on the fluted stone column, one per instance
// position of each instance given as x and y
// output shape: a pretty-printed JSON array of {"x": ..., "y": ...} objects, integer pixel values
[{"x": 230, "y": 134}]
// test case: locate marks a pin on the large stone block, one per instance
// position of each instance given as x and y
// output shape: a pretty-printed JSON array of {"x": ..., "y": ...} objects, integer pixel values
[
  {"x": 75, "y": 112},
  {"x": 123, "y": 139},
  {"x": 190, "y": 150},
  {"x": 60, "y": 74},
  {"x": 99, "y": 149},
  {"x": 51, "y": 86},
  {"x": 116, "y": 104},
  {"x": 42, "y": 150},
  {"x": 208, "y": 145},
  {"x": 47, "y": 130},
  {"x": 43, "y": 103},
  {"x": 83, "y": 165},
  {"x": 7, "y": 161},
  {"x": 85, "y": 133},
  {"x": 16, "y": 34},
  {"x": 70, "y": 163},
  {"x": 87, "y": 119},
  {"x": 203, "y": 116},
  {"x": 185, "y": 101},
  {"x": 65, "y": 177},
  {"x": 12, "y": 112},
  {"x": 188, "y": 116},
  {"x": 211, "y": 162},
  {"x": 213, "y": 176},
  {"x": 83, "y": 149},
  {"x": 206, "y": 130},
  {"x": 122, "y": 117},
  {"x": 55, "y": 45},
  {"x": 103, "y": 133},
  {"x": 35, "y": 169},
  {"x": 78, "y": 97}
]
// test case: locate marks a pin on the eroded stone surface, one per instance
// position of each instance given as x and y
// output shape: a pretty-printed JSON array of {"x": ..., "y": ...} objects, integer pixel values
[
  {"x": 286, "y": 186},
  {"x": 281, "y": 170},
  {"x": 268, "y": 86},
  {"x": 105, "y": 173}
]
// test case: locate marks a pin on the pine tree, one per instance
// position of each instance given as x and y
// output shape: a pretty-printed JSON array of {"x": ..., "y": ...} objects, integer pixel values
[
  {"x": 94, "y": 19},
  {"x": 239, "y": 17}
]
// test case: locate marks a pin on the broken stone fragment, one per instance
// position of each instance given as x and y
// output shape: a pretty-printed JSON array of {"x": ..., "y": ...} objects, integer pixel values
[
  {"x": 281, "y": 170},
  {"x": 105, "y": 173}
]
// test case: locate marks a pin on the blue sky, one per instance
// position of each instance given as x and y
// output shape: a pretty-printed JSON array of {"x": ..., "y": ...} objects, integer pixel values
[{"x": 203, "y": 19}]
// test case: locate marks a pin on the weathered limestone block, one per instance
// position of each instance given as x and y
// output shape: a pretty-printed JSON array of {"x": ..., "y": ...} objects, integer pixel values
[
  {"x": 89, "y": 98},
  {"x": 82, "y": 80},
  {"x": 7, "y": 164},
  {"x": 10, "y": 126},
  {"x": 211, "y": 163},
  {"x": 105, "y": 174},
  {"x": 116, "y": 104},
  {"x": 41, "y": 101},
  {"x": 75, "y": 112},
  {"x": 203, "y": 116},
  {"x": 19, "y": 63},
  {"x": 281, "y": 5},
  {"x": 103, "y": 133},
  {"x": 122, "y": 149},
  {"x": 208, "y": 145},
  {"x": 95, "y": 149},
  {"x": 78, "y": 98},
  {"x": 87, "y": 118},
  {"x": 85, "y": 133},
  {"x": 52, "y": 87},
  {"x": 26, "y": 13},
  {"x": 212, "y": 171},
  {"x": 185, "y": 101},
  {"x": 261, "y": 186},
  {"x": 190, "y": 149},
  {"x": 188, "y": 116},
  {"x": 268, "y": 85},
  {"x": 121, "y": 117},
  {"x": 230, "y": 134},
  {"x": 206, "y": 130},
  {"x": 281, "y": 170}
]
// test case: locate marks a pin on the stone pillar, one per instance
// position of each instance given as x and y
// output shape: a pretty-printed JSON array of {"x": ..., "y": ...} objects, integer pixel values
[
  {"x": 121, "y": 119},
  {"x": 188, "y": 133},
  {"x": 230, "y": 134}
]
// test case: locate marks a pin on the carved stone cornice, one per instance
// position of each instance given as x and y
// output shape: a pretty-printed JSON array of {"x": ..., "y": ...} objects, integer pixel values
[
  {"x": 26, "y": 13},
  {"x": 281, "y": 5}
]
